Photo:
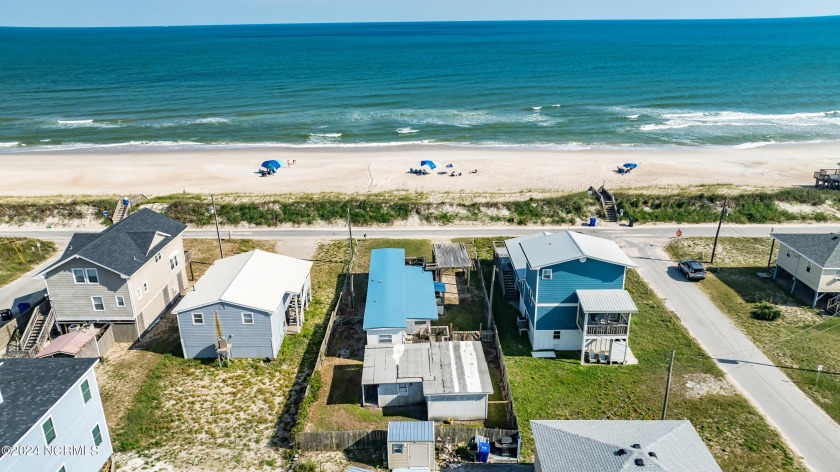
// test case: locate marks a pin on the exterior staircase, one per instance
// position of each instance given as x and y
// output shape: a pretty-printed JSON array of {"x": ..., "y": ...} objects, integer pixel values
[
  {"x": 508, "y": 284},
  {"x": 607, "y": 203},
  {"x": 833, "y": 305},
  {"x": 36, "y": 333},
  {"x": 121, "y": 210}
]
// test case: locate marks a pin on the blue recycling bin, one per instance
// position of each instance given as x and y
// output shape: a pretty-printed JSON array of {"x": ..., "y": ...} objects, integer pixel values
[
  {"x": 483, "y": 452},
  {"x": 592, "y": 221}
]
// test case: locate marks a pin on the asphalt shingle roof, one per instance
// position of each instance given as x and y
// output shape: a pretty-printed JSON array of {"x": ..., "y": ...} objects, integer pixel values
[
  {"x": 30, "y": 387},
  {"x": 821, "y": 248},
  {"x": 594, "y": 446},
  {"x": 545, "y": 249},
  {"x": 125, "y": 246}
]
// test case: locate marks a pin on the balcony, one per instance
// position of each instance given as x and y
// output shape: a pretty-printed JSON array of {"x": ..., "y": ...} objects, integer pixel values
[
  {"x": 603, "y": 324},
  {"x": 607, "y": 330}
]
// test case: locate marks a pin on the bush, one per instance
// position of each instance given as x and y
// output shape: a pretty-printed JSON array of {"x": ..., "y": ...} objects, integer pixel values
[
  {"x": 767, "y": 312},
  {"x": 306, "y": 466}
]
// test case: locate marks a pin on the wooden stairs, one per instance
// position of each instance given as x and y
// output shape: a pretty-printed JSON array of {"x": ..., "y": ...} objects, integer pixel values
[
  {"x": 608, "y": 204},
  {"x": 121, "y": 211},
  {"x": 508, "y": 281},
  {"x": 36, "y": 332}
]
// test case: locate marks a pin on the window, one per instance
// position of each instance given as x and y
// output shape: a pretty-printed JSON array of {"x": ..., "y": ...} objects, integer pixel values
[
  {"x": 556, "y": 335},
  {"x": 808, "y": 267},
  {"x": 157, "y": 257},
  {"x": 120, "y": 301},
  {"x": 145, "y": 286},
  {"x": 247, "y": 318},
  {"x": 92, "y": 276},
  {"x": 396, "y": 448},
  {"x": 98, "y": 303},
  {"x": 79, "y": 276},
  {"x": 173, "y": 261},
  {"x": 402, "y": 389},
  {"x": 385, "y": 339},
  {"x": 86, "y": 391},
  {"x": 613, "y": 317},
  {"x": 198, "y": 318},
  {"x": 49, "y": 430},
  {"x": 97, "y": 435},
  {"x": 546, "y": 274},
  {"x": 419, "y": 323}
]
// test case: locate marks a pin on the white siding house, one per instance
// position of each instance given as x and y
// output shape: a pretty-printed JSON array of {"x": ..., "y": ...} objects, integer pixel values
[
  {"x": 52, "y": 416},
  {"x": 244, "y": 299},
  {"x": 812, "y": 260}
]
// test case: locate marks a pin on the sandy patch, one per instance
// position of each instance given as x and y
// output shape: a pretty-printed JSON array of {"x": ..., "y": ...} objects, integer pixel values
[{"x": 699, "y": 385}]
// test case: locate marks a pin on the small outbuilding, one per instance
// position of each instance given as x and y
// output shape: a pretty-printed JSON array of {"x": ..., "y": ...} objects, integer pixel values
[
  {"x": 242, "y": 305},
  {"x": 411, "y": 446},
  {"x": 451, "y": 378},
  {"x": 81, "y": 344}
]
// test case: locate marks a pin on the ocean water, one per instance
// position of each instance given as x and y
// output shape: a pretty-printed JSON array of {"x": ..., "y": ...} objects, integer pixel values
[{"x": 555, "y": 85}]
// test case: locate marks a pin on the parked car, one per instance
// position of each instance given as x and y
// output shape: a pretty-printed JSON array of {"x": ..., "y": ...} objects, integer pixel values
[
  {"x": 6, "y": 314},
  {"x": 692, "y": 269}
]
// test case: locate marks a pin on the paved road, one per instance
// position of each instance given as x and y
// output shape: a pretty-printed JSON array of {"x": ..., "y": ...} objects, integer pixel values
[
  {"x": 803, "y": 424},
  {"x": 649, "y": 232}
]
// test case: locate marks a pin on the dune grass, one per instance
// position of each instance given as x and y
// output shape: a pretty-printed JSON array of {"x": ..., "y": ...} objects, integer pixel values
[{"x": 20, "y": 255}]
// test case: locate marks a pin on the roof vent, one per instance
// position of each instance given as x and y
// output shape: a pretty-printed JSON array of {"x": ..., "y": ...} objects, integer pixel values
[
  {"x": 652, "y": 454},
  {"x": 835, "y": 237},
  {"x": 640, "y": 462},
  {"x": 636, "y": 446},
  {"x": 621, "y": 452}
]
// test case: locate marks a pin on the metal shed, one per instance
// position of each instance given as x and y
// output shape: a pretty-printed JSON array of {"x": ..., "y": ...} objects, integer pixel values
[{"x": 411, "y": 445}]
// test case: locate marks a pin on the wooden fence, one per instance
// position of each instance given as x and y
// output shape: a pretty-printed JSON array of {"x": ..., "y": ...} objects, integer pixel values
[
  {"x": 510, "y": 412},
  {"x": 377, "y": 439}
]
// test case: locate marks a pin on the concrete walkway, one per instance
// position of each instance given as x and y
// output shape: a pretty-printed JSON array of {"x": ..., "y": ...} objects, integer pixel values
[{"x": 805, "y": 426}]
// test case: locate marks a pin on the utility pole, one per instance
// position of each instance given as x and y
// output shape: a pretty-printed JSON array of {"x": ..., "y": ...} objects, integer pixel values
[
  {"x": 216, "y": 219},
  {"x": 350, "y": 264},
  {"x": 723, "y": 212},
  {"x": 668, "y": 385}
]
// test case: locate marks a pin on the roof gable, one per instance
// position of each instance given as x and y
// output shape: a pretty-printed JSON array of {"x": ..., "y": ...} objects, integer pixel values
[
  {"x": 556, "y": 248},
  {"x": 30, "y": 388},
  {"x": 583, "y": 446},
  {"x": 126, "y": 246},
  {"x": 255, "y": 279},
  {"x": 821, "y": 248}
]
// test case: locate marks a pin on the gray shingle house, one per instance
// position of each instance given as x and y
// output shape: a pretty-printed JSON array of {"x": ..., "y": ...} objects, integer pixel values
[
  {"x": 51, "y": 416},
  {"x": 247, "y": 301},
  {"x": 607, "y": 446},
  {"x": 125, "y": 276},
  {"x": 812, "y": 259}
]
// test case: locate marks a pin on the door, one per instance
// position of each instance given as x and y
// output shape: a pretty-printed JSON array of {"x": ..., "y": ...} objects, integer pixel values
[
  {"x": 418, "y": 455},
  {"x": 555, "y": 342}
]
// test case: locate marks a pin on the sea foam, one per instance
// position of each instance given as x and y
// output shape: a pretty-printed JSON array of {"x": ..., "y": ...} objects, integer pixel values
[{"x": 407, "y": 130}]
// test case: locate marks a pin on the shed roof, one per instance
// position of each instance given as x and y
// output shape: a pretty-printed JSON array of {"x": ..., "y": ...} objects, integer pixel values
[
  {"x": 30, "y": 387},
  {"x": 396, "y": 292},
  {"x": 255, "y": 279},
  {"x": 445, "y": 368},
  {"x": 584, "y": 446},
  {"x": 606, "y": 301},
  {"x": 568, "y": 245},
  {"x": 821, "y": 248},
  {"x": 70, "y": 343},
  {"x": 411, "y": 431},
  {"x": 451, "y": 256},
  {"x": 125, "y": 246}
]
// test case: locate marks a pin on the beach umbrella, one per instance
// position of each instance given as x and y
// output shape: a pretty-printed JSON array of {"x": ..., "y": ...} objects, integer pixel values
[
  {"x": 272, "y": 165},
  {"x": 432, "y": 164},
  {"x": 449, "y": 166},
  {"x": 630, "y": 165}
]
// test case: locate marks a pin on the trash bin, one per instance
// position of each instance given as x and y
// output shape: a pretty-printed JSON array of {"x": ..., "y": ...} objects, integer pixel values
[
  {"x": 631, "y": 222},
  {"x": 125, "y": 201},
  {"x": 483, "y": 452},
  {"x": 592, "y": 221}
]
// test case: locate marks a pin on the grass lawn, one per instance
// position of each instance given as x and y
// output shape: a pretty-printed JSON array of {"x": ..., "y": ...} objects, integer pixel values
[
  {"x": 736, "y": 434},
  {"x": 799, "y": 341},
  {"x": 193, "y": 414},
  {"x": 338, "y": 406},
  {"x": 20, "y": 255}
]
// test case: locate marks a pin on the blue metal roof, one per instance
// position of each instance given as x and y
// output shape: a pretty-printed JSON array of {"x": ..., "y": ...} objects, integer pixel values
[
  {"x": 397, "y": 292},
  {"x": 411, "y": 431}
]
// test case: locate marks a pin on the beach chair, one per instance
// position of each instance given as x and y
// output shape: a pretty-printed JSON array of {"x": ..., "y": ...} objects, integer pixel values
[
  {"x": 591, "y": 357},
  {"x": 603, "y": 358}
]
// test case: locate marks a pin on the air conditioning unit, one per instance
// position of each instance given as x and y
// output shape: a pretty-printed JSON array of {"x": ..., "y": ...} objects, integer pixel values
[{"x": 74, "y": 327}]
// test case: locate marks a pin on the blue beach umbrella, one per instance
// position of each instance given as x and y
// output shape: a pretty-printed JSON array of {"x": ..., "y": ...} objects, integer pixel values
[
  {"x": 432, "y": 164},
  {"x": 450, "y": 166},
  {"x": 272, "y": 165},
  {"x": 630, "y": 165}
]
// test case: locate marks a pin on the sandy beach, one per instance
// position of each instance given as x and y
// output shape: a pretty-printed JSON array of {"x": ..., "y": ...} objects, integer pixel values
[{"x": 386, "y": 169}]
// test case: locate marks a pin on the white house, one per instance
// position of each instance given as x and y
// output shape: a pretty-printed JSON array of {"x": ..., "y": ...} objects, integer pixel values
[
  {"x": 812, "y": 259},
  {"x": 51, "y": 416}
]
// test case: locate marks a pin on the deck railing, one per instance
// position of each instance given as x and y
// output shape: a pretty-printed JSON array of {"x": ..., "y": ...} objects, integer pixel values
[{"x": 606, "y": 330}]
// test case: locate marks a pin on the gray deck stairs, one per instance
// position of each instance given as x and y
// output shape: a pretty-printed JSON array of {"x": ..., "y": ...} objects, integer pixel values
[
  {"x": 833, "y": 305},
  {"x": 509, "y": 284},
  {"x": 121, "y": 210},
  {"x": 293, "y": 316},
  {"x": 607, "y": 201},
  {"x": 36, "y": 332}
]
